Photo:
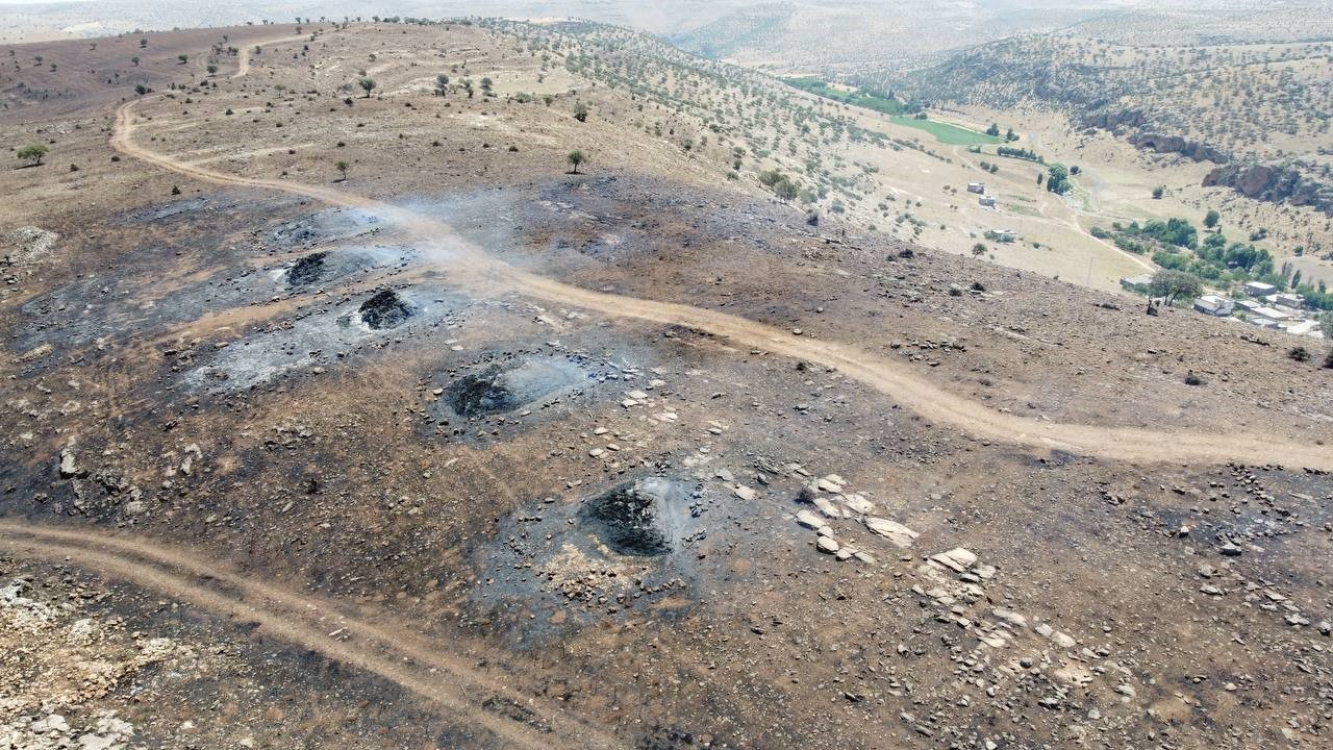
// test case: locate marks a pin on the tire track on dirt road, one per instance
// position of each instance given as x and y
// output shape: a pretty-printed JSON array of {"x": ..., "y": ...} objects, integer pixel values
[
  {"x": 471, "y": 266},
  {"x": 395, "y": 654},
  {"x": 243, "y": 55}
]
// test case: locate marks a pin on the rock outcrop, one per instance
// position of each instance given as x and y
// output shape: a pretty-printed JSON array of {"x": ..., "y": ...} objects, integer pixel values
[
  {"x": 1174, "y": 144},
  {"x": 1274, "y": 184},
  {"x": 1114, "y": 120}
]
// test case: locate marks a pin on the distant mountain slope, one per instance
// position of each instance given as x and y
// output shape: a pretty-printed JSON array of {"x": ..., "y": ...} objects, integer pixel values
[
  {"x": 736, "y": 31},
  {"x": 1268, "y": 101}
]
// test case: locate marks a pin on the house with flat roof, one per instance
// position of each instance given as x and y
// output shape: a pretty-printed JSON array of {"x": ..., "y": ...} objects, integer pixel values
[
  {"x": 1270, "y": 313},
  {"x": 976, "y": 187},
  {"x": 1259, "y": 289},
  {"x": 987, "y": 200},
  {"x": 1305, "y": 328},
  {"x": 1211, "y": 304},
  {"x": 1285, "y": 299}
]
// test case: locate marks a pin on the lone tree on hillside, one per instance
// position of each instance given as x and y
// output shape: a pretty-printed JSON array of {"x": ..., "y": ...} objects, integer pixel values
[
  {"x": 581, "y": 112},
  {"x": 1210, "y": 220},
  {"x": 441, "y": 84},
  {"x": 184, "y": 58},
  {"x": 1170, "y": 284},
  {"x": 135, "y": 60},
  {"x": 1158, "y": 192},
  {"x": 33, "y": 153},
  {"x": 342, "y": 169},
  {"x": 368, "y": 84},
  {"x": 576, "y": 158}
]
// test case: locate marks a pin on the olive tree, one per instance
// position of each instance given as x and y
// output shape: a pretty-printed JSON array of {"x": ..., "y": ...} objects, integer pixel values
[
  {"x": 576, "y": 158},
  {"x": 1170, "y": 285},
  {"x": 33, "y": 153}
]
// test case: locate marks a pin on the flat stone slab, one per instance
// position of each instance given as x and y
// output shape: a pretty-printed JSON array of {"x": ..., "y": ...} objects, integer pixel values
[{"x": 895, "y": 532}]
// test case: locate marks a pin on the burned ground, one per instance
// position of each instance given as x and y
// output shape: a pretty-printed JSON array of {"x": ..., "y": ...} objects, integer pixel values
[{"x": 646, "y": 526}]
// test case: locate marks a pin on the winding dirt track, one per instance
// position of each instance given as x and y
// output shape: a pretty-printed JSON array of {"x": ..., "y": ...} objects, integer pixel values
[
  {"x": 394, "y": 654},
  {"x": 243, "y": 55},
  {"x": 471, "y": 265}
]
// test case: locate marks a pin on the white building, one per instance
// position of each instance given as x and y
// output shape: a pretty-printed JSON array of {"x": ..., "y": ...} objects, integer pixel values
[
  {"x": 1284, "y": 299},
  {"x": 1270, "y": 313},
  {"x": 1306, "y": 328},
  {"x": 1211, "y": 304},
  {"x": 1004, "y": 235},
  {"x": 976, "y": 187},
  {"x": 987, "y": 200},
  {"x": 1259, "y": 289}
]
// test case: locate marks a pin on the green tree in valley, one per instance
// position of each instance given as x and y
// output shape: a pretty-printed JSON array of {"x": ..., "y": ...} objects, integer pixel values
[
  {"x": 441, "y": 84},
  {"x": 367, "y": 84},
  {"x": 1326, "y": 324},
  {"x": 1057, "y": 179},
  {"x": 1172, "y": 285}
]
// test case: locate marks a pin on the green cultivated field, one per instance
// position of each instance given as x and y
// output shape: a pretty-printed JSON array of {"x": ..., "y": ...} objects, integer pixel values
[
  {"x": 953, "y": 135},
  {"x": 900, "y": 113},
  {"x": 883, "y": 104}
]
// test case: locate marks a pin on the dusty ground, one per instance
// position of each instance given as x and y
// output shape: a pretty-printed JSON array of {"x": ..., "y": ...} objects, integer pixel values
[{"x": 464, "y": 451}]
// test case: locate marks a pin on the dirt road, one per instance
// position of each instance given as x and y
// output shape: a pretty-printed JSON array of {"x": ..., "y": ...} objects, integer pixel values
[
  {"x": 243, "y": 55},
  {"x": 472, "y": 266},
  {"x": 392, "y": 653}
]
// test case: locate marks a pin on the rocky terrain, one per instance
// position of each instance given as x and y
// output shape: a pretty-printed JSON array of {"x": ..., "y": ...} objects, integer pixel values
[{"x": 359, "y": 415}]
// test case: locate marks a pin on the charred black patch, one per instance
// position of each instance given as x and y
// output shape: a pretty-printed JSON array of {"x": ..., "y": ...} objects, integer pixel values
[
  {"x": 627, "y": 520},
  {"x": 480, "y": 393},
  {"x": 497, "y": 388},
  {"x": 385, "y": 310},
  {"x": 307, "y": 270},
  {"x": 665, "y": 738}
]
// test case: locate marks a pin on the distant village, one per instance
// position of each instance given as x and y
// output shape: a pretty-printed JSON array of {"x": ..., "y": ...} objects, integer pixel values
[{"x": 1264, "y": 306}]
